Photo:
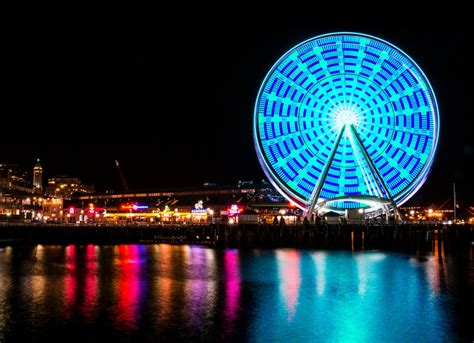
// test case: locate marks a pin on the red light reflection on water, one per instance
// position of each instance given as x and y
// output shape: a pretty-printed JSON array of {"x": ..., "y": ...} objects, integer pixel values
[
  {"x": 70, "y": 280},
  {"x": 290, "y": 276},
  {"x": 90, "y": 282},
  {"x": 128, "y": 288},
  {"x": 232, "y": 288}
]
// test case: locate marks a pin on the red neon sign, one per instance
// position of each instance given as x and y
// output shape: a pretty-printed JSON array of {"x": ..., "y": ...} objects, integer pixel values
[{"x": 134, "y": 207}]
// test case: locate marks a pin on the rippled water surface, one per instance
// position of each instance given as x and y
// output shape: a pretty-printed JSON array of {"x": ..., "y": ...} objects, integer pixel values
[{"x": 169, "y": 293}]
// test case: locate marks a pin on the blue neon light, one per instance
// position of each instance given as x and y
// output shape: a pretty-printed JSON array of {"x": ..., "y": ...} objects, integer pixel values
[{"x": 339, "y": 79}]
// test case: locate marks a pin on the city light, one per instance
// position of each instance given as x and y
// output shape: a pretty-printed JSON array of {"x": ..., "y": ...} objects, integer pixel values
[
  {"x": 134, "y": 207},
  {"x": 234, "y": 210}
]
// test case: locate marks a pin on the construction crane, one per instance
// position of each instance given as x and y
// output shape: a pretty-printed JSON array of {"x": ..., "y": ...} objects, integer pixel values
[{"x": 122, "y": 177}]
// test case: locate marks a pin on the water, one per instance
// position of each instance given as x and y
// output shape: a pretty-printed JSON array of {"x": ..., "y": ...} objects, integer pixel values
[{"x": 191, "y": 293}]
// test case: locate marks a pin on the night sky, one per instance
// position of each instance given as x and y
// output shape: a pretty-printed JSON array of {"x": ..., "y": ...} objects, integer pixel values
[{"x": 174, "y": 103}]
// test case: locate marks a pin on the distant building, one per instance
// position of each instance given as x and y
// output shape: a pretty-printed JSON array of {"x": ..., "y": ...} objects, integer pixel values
[
  {"x": 38, "y": 178},
  {"x": 65, "y": 187},
  {"x": 15, "y": 185},
  {"x": 14, "y": 178}
]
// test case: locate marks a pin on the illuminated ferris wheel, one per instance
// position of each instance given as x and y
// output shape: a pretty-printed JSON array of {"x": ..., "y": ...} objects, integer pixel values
[{"x": 346, "y": 121}]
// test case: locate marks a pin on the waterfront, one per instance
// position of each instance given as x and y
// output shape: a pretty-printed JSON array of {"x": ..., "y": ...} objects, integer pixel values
[{"x": 163, "y": 292}]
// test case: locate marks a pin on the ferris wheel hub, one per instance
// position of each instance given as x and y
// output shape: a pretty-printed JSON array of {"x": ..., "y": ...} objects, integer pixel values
[{"x": 346, "y": 116}]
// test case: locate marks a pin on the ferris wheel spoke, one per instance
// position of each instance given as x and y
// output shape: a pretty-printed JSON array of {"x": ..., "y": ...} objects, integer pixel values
[
  {"x": 317, "y": 189},
  {"x": 373, "y": 168}
]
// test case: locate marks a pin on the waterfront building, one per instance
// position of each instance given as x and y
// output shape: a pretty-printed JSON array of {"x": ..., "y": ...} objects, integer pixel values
[
  {"x": 9, "y": 205},
  {"x": 199, "y": 205},
  {"x": 65, "y": 187},
  {"x": 52, "y": 210}
]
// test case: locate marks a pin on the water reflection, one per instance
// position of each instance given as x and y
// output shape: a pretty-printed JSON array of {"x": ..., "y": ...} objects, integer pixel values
[
  {"x": 164, "y": 284},
  {"x": 70, "y": 280},
  {"x": 34, "y": 285},
  {"x": 89, "y": 305},
  {"x": 176, "y": 293},
  {"x": 289, "y": 271},
  {"x": 195, "y": 289},
  {"x": 5, "y": 287},
  {"x": 232, "y": 288},
  {"x": 128, "y": 264},
  {"x": 319, "y": 259},
  {"x": 436, "y": 271}
]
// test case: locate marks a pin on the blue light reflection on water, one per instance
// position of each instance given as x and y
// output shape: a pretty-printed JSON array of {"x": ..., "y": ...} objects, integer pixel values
[
  {"x": 342, "y": 296},
  {"x": 192, "y": 292}
]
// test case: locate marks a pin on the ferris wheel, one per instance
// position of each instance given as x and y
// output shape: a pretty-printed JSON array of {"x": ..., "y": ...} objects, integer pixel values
[{"x": 346, "y": 121}]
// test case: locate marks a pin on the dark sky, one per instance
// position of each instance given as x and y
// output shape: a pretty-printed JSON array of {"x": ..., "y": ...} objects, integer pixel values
[{"x": 174, "y": 102}]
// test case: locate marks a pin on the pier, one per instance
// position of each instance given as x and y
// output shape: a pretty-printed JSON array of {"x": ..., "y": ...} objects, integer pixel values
[{"x": 245, "y": 235}]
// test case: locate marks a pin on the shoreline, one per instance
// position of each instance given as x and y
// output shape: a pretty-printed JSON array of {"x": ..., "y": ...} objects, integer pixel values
[{"x": 351, "y": 237}]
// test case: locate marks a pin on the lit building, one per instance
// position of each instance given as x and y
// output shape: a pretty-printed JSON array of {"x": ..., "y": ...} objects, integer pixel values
[
  {"x": 15, "y": 185},
  {"x": 65, "y": 187},
  {"x": 52, "y": 210},
  {"x": 12, "y": 177},
  {"x": 8, "y": 205},
  {"x": 38, "y": 178}
]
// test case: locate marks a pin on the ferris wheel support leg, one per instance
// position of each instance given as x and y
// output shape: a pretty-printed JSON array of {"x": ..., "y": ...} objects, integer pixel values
[
  {"x": 375, "y": 172},
  {"x": 317, "y": 190}
]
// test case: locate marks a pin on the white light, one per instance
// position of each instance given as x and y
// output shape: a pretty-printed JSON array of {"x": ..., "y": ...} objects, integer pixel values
[
  {"x": 346, "y": 116},
  {"x": 361, "y": 210}
]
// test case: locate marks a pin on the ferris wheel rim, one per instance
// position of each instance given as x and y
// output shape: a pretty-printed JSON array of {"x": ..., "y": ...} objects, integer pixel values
[{"x": 405, "y": 193}]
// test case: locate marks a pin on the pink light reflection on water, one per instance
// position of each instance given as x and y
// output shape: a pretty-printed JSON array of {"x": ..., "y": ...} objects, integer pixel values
[
  {"x": 290, "y": 276},
  {"x": 232, "y": 288},
  {"x": 70, "y": 280},
  {"x": 128, "y": 287}
]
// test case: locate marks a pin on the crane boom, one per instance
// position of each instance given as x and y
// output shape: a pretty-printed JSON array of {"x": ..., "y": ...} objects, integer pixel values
[{"x": 122, "y": 177}]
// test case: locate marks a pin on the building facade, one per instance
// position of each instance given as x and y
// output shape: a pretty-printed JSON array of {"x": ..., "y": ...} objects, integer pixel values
[
  {"x": 65, "y": 187},
  {"x": 38, "y": 178},
  {"x": 12, "y": 177}
]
